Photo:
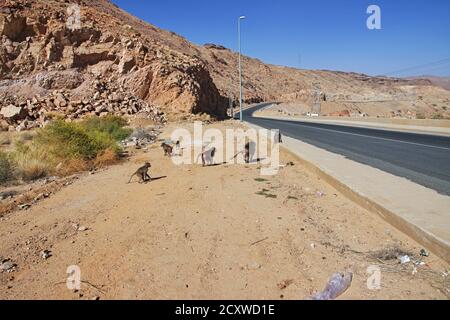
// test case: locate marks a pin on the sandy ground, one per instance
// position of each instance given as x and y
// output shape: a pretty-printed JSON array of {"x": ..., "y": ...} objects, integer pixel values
[{"x": 205, "y": 233}]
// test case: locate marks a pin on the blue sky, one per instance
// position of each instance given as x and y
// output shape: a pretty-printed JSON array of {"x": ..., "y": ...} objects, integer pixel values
[{"x": 315, "y": 34}]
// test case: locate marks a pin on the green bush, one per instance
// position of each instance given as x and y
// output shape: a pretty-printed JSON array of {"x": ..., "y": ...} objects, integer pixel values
[
  {"x": 77, "y": 146},
  {"x": 5, "y": 167},
  {"x": 67, "y": 141},
  {"x": 84, "y": 140},
  {"x": 112, "y": 126}
]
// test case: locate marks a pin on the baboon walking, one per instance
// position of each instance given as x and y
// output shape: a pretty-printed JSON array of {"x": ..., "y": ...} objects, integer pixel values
[
  {"x": 142, "y": 173},
  {"x": 248, "y": 151},
  {"x": 207, "y": 156},
  {"x": 279, "y": 137},
  {"x": 168, "y": 150}
]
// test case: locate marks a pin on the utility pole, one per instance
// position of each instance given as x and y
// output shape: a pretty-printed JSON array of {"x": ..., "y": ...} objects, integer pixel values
[
  {"x": 230, "y": 99},
  {"x": 316, "y": 107},
  {"x": 240, "y": 67}
]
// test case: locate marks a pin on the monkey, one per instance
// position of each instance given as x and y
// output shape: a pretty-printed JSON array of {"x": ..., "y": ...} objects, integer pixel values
[
  {"x": 168, "y": 150},
  {"x": 246, "y": 152},
  {"x": 142, "y": 173},
  {"x": 207, "y": 156},
  {"x": 280, "y": 137},
  {"x": 178, "y": 150}
]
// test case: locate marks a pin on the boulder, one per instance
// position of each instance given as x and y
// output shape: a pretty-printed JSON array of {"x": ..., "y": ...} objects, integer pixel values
[
  {"x": 12, "y": 26},
  {"x": 12, "y": 113},
  {"x": 126, "y": 63}
]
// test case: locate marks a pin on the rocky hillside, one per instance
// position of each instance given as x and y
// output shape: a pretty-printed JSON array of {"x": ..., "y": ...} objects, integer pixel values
[
  {"x": 112, "y": 62},
  {"x": 101, "y": 65}
]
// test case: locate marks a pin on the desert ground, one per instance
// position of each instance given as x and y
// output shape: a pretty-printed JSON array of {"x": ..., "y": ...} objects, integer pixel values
[{"x": 218, "y": 232}]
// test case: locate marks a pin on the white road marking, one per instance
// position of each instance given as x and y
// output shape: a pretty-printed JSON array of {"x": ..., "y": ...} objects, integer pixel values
[{"x": 386, "y": 139}]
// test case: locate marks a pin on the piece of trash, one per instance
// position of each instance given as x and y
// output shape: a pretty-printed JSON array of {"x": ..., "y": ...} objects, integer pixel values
[
  {"x": 424, "y": 253},
  {"x": 46, "y": 254},
  {"x": 284, "y": 284},
  {"x": 254, "y": 266},
  {"x": 24, "y": 206},
  {"x": 41, "y": 196},
  {"x": 82, "y": 228},
  {"x": 313, "y": 245},
  {"x": 7, "y": 266},
  {"x": 320, "y": 194},
  {"x": 337, "y": 285},
  {"x": 414, "y": 270},
  {"x": 404, "y": 259}
]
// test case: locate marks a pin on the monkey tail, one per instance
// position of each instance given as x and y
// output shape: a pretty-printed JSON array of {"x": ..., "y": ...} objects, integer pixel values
[
  {"x": 198, "y": 157},
  {"x": 131, "y": 178},
  {"x": 236, "y": 155}
]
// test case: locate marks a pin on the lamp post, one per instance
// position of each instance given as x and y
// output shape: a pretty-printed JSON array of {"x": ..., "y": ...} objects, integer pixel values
[{"x": 240, "y": 67}]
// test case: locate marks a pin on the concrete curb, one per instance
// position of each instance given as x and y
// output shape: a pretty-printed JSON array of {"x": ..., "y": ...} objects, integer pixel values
[{"x": 431, "y": 241}]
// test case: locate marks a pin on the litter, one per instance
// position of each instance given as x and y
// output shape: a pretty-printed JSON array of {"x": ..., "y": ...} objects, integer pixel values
[
  {"x": 424, "y": 253},
  {"x": 320, "y": 194},
  {"x": 404, "y": 259},
  {"x": 337, "y": 285},
  {"x": 46, "y": 254},
  {"x": 7, "y": 266},
  {"x": 24, "y": 206}
]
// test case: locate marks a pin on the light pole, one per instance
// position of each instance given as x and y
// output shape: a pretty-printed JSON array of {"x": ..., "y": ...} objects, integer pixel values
[{"x": 240, "y": 67}]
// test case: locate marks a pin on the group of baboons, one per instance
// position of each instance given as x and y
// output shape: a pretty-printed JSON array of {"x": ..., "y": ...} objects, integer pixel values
[{"x": 207, "y": 158}]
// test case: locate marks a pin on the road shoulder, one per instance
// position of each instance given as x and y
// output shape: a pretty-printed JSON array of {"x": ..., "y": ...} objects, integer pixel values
[{"x": 417, "y": 211}]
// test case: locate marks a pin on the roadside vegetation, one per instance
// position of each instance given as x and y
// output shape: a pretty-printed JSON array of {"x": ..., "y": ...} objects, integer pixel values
[{"x": 62, "y": 148}]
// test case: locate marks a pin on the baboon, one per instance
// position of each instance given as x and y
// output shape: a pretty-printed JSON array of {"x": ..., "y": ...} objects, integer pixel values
[
  {"x": 207, "y": 156},
  {"x": 280, "y": 137},
  {"x": 178, "y": 150},
  {"x": 142, "y": 173},
  {"x": 168, "y": 150},
  {"x": 248, "y": 152}
]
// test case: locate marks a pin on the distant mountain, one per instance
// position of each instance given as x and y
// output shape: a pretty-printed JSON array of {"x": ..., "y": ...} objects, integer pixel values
[{"x": 443, "y": 82}]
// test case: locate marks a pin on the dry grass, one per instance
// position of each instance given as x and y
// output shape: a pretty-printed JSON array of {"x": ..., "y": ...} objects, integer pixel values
[
  {"x": 72, "y": 166},
  {"x": 5, "y": 167},
  {"x": 106, "y": 158},
  {"x": 5, "y": 138},
  {"x": 62, "y": 148},
  {"x": 24, "y": 136},
  {"x": 31, "y": 164}
]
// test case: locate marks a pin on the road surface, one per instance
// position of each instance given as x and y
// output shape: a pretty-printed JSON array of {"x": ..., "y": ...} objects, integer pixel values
[{"x": 423, "y": 159}]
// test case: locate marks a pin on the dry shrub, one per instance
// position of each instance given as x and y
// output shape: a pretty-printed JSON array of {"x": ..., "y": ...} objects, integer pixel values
[
  {"x": 31, "y": 164},
  {"x": 106, "y": 158},
  {"x": 25, "y": 137},
  {"x": 5, "y": 167},
  {"x": 5, "y": 138},
  {"x": 72, "y": 166}
]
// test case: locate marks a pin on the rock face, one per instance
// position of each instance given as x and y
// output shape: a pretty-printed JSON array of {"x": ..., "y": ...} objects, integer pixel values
[{"x": 99, "y": 66}]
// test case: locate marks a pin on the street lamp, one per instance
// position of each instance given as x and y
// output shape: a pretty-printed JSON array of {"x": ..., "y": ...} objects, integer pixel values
[{"x": 240, "y": 67}]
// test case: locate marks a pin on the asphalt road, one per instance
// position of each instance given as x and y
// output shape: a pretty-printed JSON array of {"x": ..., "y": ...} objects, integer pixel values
[{"x": 423, "y": 159}]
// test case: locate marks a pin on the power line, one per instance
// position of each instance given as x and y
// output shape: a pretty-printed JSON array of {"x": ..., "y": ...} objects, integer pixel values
[{"x": 430, "y": 64}]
